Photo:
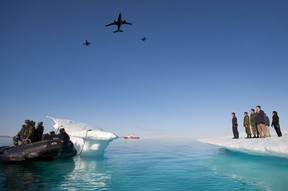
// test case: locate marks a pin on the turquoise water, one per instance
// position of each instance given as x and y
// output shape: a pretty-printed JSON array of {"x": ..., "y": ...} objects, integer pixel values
[{"x": 151, "y": 165}]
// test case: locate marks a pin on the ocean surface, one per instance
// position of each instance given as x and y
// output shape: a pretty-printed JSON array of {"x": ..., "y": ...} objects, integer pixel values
[{"x": 150, "y": 165}]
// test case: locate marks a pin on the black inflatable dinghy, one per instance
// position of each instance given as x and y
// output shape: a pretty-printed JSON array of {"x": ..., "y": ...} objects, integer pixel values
[{"x": 39, "y": 151}]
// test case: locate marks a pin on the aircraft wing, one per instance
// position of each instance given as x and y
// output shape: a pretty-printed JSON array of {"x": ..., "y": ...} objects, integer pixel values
[
  {"x": 127, "y": 23},
  {"x": 114, "y": 23}
]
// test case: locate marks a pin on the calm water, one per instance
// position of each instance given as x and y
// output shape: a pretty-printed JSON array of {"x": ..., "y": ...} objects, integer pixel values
[{"x": 151, "y": 165}]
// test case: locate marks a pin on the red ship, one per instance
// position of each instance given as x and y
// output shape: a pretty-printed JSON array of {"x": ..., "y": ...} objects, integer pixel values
[{"x": 131, "y": 136}]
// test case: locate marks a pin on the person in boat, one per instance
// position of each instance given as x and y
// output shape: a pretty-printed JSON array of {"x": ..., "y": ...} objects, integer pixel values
[
  {"x": 32, "y": 126},
  {"x": 25, "y": 135},
  {"x": 39, "y": 131},
  {"x": 63, "y": 135},
  {"x": 49, "y": 136}
]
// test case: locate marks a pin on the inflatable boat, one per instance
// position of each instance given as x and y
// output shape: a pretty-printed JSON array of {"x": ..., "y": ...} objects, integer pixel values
[{"x": 49, "y": 149}]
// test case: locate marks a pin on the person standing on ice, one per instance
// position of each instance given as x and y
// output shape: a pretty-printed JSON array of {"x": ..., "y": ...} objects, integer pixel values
[
  {"x": 235, "y": 126},
  {"x": 253, "y": 124},
  {"x": 246, "y": 124},
  {"x": 260, "y": 121},
  {"x": 275, "y": 123}
]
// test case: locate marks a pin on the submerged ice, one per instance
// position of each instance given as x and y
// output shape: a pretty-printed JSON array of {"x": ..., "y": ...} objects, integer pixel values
[
  {"x": 273, "y": 146},
  {"x": 87, "y": 139}
]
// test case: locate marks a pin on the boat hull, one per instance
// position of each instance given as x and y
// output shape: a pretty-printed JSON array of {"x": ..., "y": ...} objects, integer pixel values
[
  {"x": 38, "y": 151},
  {"x": 126, "y": 137}
]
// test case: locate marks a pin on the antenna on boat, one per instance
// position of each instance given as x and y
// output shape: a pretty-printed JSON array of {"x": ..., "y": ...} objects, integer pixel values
[{"x": 84, "y": 141}]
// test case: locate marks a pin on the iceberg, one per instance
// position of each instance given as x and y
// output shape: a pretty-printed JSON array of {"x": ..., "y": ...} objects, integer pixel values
[
  {"x": 88, "y": 140},
  {"x": 271, "y": 146}
]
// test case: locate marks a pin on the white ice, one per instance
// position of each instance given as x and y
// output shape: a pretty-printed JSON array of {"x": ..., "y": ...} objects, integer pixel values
[
  {"x": 273, "y": 146},
  {"x": 88, "y": 140}
]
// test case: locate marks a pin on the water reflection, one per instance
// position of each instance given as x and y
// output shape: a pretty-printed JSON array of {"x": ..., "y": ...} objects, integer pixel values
[
  {"x": 262, "y": 172},
  {"x": 88, "y": 174},
  {"x": 79, "y": 173},
  {"x": 34, "y": 175},
  {"x": 76, "y": 174}
]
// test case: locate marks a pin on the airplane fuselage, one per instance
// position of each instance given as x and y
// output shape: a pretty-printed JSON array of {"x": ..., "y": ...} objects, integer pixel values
[{"x": 119, "y": 22}]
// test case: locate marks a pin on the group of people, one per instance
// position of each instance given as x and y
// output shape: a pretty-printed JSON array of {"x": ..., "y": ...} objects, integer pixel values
[
  {"x": 30, "y": 134},
  {"x": 259, "y": 123}
]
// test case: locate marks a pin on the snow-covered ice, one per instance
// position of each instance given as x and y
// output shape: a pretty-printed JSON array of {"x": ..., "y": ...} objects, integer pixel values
[
  {"x": 88, "y": 140},
  {"x": 273, "y": 146}
]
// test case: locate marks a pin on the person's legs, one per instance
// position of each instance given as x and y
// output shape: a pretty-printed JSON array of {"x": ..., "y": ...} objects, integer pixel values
[
  {"x": 259, "y": 128},
  {"x": 235, "y": 132},
  {"x": 246, "y": 131},
  {"x": 249, "y": 131},
  {"x": 278, "y": 131},
  {"x": 268, "y": 131},
  {"x": 254, "y": 131},
  {"x": 263, "y": 130}
]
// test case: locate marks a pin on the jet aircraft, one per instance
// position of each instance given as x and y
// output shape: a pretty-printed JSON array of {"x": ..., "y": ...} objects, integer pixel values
[
  {"x": 143, "y": 38},
  {"x": 86, "y": 43},
  {"x": 119, "y": 22}
]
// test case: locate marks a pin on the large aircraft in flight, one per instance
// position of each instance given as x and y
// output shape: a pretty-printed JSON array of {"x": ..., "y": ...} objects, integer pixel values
[
  {"x": 86, "y": 43},
  {"x": 119, "y": 22}
]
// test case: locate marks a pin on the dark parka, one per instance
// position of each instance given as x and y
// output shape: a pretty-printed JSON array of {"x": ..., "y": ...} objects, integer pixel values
[
  {"x": 260, "y": 117},
  {"x": 39, "y": 132},
  {"x": 275, "y": 120},
  {"x": 275, "y": 123},
  {"x": 234, "y": 122},
  {"x": 234, "y": 127}
]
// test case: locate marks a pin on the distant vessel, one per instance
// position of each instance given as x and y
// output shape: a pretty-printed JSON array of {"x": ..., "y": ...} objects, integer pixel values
[{"x": 131, "y": 136}]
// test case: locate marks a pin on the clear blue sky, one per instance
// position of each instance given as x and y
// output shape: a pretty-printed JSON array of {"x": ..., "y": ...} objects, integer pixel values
[{"x": 201, "y": 61}]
